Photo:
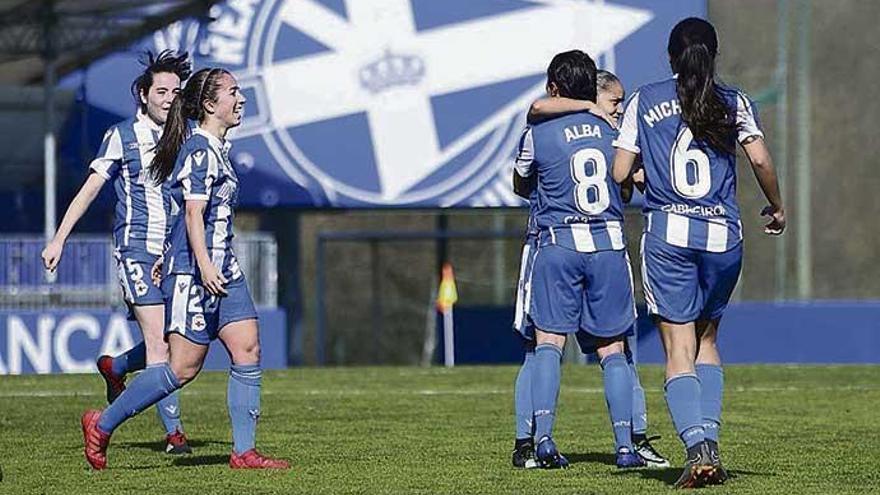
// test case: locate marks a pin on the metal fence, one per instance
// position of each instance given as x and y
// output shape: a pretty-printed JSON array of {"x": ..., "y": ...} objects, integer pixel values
[{"x": 86, "y": 276}]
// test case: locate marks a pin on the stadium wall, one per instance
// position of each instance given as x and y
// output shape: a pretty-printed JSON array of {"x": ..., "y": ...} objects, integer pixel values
[
  {"x": 831, "y": 332},
  {"x": 68, "y": 341}
]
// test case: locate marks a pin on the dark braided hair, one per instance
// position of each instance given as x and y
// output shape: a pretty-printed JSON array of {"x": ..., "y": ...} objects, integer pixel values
[
  {"x": 189, "y": 105},
  {"x": 693, "y": 45},
  {"x": 165, "y": 61}
]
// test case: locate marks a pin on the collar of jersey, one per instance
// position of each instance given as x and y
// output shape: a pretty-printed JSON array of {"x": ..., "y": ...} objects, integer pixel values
[
  {"x": 214, "y": 140},
  {"x": 143, "y": 117}
]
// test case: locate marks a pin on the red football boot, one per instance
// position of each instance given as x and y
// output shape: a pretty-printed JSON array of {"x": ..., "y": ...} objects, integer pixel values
[
  {"x": 115, "y": 383},
  {"x": 95, "y": 440},
  {"x": 175, "y": 443},
  {"x": 252, "y": 459}
]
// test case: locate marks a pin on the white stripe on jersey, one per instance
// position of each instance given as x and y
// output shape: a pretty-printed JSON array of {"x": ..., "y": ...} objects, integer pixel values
[
  {"x": 716, "y": 240},
  {"x": 583, "y": 238},
  {"x": 677, "y": 227},
  {"x": 525, "y": 156},
  {"x": 218, "y": 238},
  {"x": 126, "y": 181},
  {"x": 615, "y": 232},
  {"x": 628, "y": 138},
  {"x": 101, "y": 164},
  {"x": 152, "y": 193}
]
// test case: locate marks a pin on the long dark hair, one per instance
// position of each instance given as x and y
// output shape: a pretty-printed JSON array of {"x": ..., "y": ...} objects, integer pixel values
[
  {"x": 574, "y": 74},
  {"x": 189, "y": 105},
  {"x": 165, "y": 61},
  {"x": 693, "y": 45}
]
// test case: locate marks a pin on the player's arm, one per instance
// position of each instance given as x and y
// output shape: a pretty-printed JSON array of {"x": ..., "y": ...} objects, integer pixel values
[
  {"x": 626, "y": 142},
  {"x": 523, "y": 186},
  {"x": 77, "y": 208},
  {"x": 105, "y": 165},
  {"x": 212, "y": 279},
  {"x": 197, "y": 177},
  {"x": 762, "y": 165},
  {"x": 551, "y": 107},
  {"x": 524, "y": 178},
  {"x": 751, "y": 138}
]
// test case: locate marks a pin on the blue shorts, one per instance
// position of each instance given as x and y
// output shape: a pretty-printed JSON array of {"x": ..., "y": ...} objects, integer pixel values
[
  {"x": 571, "y": 291},
  {"x": 134, "y": 270},
  {"x": 683, "y": 284},
  {"x": 521, "y": 322},
  {"x": 194, "y": 313}
]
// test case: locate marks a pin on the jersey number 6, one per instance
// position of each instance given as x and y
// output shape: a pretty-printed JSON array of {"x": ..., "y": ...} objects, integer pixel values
[{"x": 698, "y": 182}]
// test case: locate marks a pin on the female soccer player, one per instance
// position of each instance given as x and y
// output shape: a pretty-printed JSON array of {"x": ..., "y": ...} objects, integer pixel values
[
  {"x": 686, "y": 129},
  {"x": 609, "y": 105},
  {"x": 125, "y": 158},
  {"x": 205, "y": 291}
]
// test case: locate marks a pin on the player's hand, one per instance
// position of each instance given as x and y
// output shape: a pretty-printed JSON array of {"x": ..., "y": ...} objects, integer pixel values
[
  {"x": 777, "y": 220},
  {"x": 52, "y": 255},
  {"x": 598, "y": 112},
  {"x": 156, "y": 271},
  {"x": 638, "y": 178},
  {"x": 213, "y": 280}
]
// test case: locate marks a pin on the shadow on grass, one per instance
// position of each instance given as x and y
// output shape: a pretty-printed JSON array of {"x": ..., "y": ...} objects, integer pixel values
[
  {"x": 160, "y": 446},
  {"x": 594, "y": 457},
  {"x": 670, "y": 475},
  {"x": 202, "y": 460}
]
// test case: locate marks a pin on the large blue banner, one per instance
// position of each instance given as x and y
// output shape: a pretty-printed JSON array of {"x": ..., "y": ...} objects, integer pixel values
[
  {"x": 388, "y": 103},
  {"x": 69, "y": 341}
]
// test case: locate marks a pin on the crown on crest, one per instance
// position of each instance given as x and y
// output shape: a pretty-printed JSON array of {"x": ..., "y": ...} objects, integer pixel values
[{"x": 391, "y": 70}]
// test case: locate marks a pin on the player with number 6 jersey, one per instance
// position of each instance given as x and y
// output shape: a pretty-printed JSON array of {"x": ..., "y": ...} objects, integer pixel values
[{"x": 686, "y": 129}]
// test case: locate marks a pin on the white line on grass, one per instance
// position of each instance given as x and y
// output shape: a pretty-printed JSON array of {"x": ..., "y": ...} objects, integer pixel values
[{"x": 428, "y": 392}]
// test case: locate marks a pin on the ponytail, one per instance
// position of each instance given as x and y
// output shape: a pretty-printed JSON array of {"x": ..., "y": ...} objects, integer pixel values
[
  {"x": 173, "y": 136},
  {"x": 693, "y": 45}
]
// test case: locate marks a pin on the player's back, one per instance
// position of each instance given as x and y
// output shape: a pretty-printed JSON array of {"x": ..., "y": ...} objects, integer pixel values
[
  {"x": 578, "y": 204},
  {"x": 690, "y": 199}
]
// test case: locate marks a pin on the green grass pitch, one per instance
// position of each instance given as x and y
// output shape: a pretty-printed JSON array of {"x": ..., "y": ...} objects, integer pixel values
[{"x": 787, "y": 429}]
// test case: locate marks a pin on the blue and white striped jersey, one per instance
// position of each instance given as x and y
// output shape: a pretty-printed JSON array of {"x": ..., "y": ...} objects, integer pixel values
[
  {"x": 203, "y": 172},
  {"x": 690, "y": 200},
  {"x": 124, "y": 159},
  {"x": 578, "y": 205}
]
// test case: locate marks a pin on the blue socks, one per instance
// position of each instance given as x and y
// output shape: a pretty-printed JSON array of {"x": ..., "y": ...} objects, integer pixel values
[
  {"x": 150, "y": 386},
  {"x": 683, "y": 399},
  {"x": 618, "y": 395},
  {"x": 712, "y": 384},
  {"x": 639, "y": 410},
  {"x": 134, "y": 359},
  {"x": 546, "y": 372},
  {"x": 522, "y": 398},
  {"x": 168, "y": 410},
  {"x": 243, "y": 401}
]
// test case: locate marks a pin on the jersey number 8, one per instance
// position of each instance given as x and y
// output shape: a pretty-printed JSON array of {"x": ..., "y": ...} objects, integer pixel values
[
  {"x": 696, "y": 162},
  {"x": 589, "y": 171}
]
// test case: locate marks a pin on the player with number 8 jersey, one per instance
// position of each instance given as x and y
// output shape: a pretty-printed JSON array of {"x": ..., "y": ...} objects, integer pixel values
[{"x": 580, "y": 282}]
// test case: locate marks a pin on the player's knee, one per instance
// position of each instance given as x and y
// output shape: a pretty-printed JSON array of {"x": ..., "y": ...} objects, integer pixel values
[
  {"x": 186, "y": 374},
  {"x": 609, "y": 347},
  {"x": 248, "y": 353}
]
